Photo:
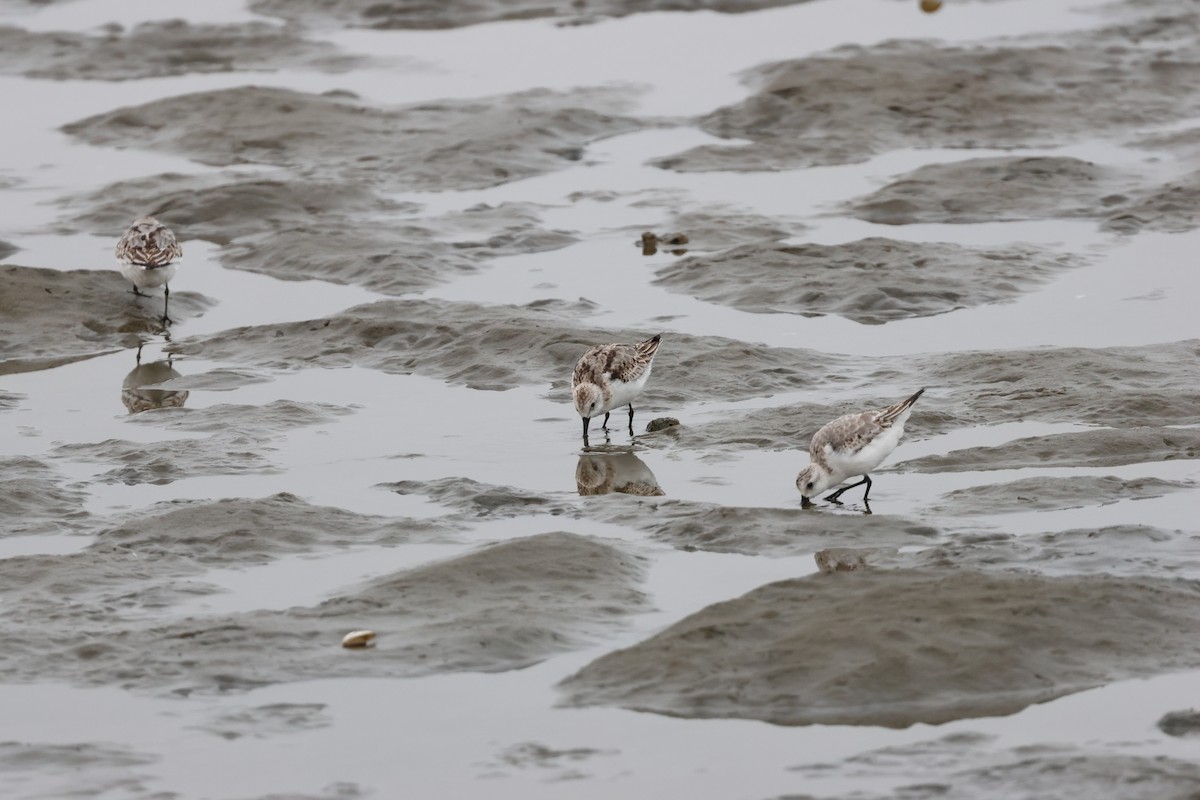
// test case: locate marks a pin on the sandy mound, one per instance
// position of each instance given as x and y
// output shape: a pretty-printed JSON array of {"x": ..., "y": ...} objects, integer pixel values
[
  {"x": 400, "y": 14},
  {"x": 896, "y": 648},
  {"x": 499, "y": 347},
  {"x": 1119, "y": 387},
  {"x": 503, "y": 606},
  {"x": 188, "y": 535},
  {"x": 34, "y": 499},
  {"x": 968, "y": 766},
  {"x": 996, "y": 190},
  {"x": 1122, "y": 550},
  {"x": 1102, "y": 448},
  {"x": 136, "y": 565},
  {"x": 1043, "y": 494},
  {"x": 55, "y": 769},
  {"x": 776, "y": 531},
  {"x": 1016, "y": 188},
  {"x": 855, "y": 102},
  {"x": 6, "y": 249},
  {"x": 870, "y": 281},
  {"x": 51, "y": 317},
  {"x": 161, "y": 49},
  {"x": 241, "y": 438},
  {"x": 430, "y": 147},
  {"x": 329, "y": 231},
  {"x": 221, "y": 208}
]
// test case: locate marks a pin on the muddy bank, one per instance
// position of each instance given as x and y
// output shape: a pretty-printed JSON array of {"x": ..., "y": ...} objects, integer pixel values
[
  {"x": 968, "y": 766},
  {"x": 424, "y": 16},
  {"x": 50, "y": 317},
  {"x": 855, "y": 102},
  {"x": 54, "y": 769},
  {"x": 777, "y": 531},
  {"x": 870, "y": 281},
  {"x": 1119, "y": 387},
  {"x": 1119, "y": 550},
  {"x": 321, "y": 230},
  {"x": 1044, "y": 494},
  {"x": 499, "y": 347},
  {"x": 1103, "y": 448},
  {"x": 487, "y": 610},
  {"x": 164, "y": 49},
  {"x": 436, "y": 146},
  {"x": 937, "y": 646},
  {"x": 1017, "y": 188},
  {"x": 36, "y": 499},
  {"x": 240, "y": 441},
  {"x": 683, "y": 524}
]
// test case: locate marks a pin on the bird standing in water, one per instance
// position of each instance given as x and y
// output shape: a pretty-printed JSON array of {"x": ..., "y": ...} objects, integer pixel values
[
  {"x": 852, "y": 445},
  {"x": 146, "y": 255},
  {"x": 610, "y": 376}
]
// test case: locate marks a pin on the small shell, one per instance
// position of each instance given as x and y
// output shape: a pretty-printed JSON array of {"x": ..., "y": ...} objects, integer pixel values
[
  {"x": 358, "y": 639},
  {"x": 930, "y": 6}
]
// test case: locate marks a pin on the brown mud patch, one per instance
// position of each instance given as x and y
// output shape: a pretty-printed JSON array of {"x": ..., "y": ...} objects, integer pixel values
[
  {"x": 51, "y": 317},
  {"x": 967, "y": 766},
  {"x": 241, "y": 438},
  {"x": 164, "y": 49},
  {"x": 35, "y": 499},
  {"x": 111, "y": 769},
  {"x": 1019, "y": 188},
  {"x": 907, "y": 94},
  {"x": 1120, "y": 550},
  {"x": 870, "y": 281},
  {"x": 504, "y": 606},
  {"x": 436, "y": 146},
  {"x": 937, "y": 646},
  {"x": 684, "y": 524},
  {"x": 322, "y": 230},
  {"x": 1117, "y": 387},
  {"x": 394, "y": 14},
  {"x": 500, "y": 347},
  {"x": 1103, "y": 448},
  {"x": 1046, "y": 494}
]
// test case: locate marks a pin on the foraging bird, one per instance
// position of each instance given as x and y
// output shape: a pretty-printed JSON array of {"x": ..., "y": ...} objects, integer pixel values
[
  {"x": 610, "y": 376},
  {"x": 852, "y": 445},
  {"x": 146, "y": 256}
]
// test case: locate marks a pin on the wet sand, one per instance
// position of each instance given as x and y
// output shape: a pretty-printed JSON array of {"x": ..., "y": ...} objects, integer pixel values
[{"x": 360, "y": 416}]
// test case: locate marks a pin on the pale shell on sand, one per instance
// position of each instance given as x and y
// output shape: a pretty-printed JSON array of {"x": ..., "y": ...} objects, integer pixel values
[{"x": 358, "y": 639}]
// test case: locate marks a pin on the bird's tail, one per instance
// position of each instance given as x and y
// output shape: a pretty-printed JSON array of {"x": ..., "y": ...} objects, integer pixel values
[
  {"x": 648, "y": 348},
  {"x": 891, "y": 413}
]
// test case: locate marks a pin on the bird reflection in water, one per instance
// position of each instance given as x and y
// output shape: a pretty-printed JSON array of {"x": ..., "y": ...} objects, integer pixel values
[
  {"x": 138, "y": 394},
  {"x": 605, "y": 472}
]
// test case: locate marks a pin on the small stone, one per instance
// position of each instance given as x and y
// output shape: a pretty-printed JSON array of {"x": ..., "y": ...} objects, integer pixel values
[
  {"x": 662, "y": 424},
  {"x": 1181, "y": 723}
]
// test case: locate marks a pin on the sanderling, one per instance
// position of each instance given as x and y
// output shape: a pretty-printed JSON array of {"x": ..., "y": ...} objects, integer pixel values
[
  {"x": 611, "y": 376},
  {"x": 852, "y": 445},
  {"x": 146, "y": 256}
]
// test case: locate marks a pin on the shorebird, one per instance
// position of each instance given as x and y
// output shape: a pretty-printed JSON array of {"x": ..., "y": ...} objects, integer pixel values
[
  {"x": 610, "y": 376},
  {"x": 852, "y": 445},
  {"x": 146, "y": 256}
]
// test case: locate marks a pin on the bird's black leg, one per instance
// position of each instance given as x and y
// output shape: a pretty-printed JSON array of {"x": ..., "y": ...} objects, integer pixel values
[
  {"x": 867, "y": 493},
  {"x": 833, "y": 498},
  {"x": 139, "y": 294},
  {"x": 631, "y": 419},
  {"x": 166, "y": 299},
  {"x": 605, "y": 425},
  {"x": 139, "y": 353}
]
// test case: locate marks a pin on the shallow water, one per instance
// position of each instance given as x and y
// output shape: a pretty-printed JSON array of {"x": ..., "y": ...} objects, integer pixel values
[{"x": 406, "y": 447}]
